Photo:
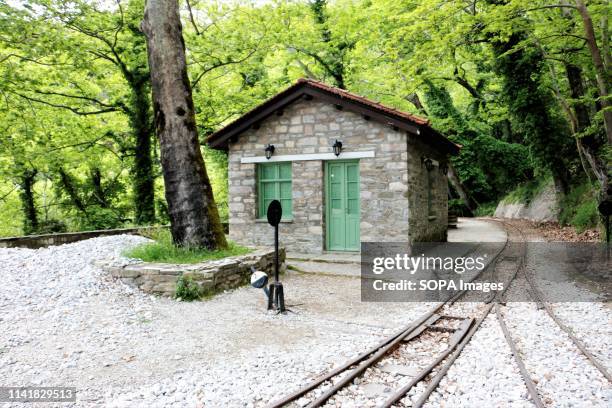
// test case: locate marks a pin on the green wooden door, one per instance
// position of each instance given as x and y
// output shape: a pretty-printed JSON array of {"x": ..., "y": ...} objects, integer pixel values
[{"x": 342, "y": 205}]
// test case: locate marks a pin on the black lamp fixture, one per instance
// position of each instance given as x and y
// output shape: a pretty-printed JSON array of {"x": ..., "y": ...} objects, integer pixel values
[
  {"x": 269, "y": 151},
  {"x": 337, "y": 147},
  {"x": 428, "y": 163}
]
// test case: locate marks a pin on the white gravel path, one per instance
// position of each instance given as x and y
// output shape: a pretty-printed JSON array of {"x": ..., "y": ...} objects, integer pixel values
[
  {"x": 591, "y": 322},
  {"x": 66, "y": 322},
  {"x": 563, "y": 376},
  {"x": 484, "y": 374}
]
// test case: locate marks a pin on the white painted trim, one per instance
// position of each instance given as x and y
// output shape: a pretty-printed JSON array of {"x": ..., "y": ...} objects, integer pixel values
[{"x": 304, "y": 157}]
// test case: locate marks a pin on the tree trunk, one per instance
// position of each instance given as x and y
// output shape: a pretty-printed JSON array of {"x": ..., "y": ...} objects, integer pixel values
[
  {"x": 98, "y": 191},
  {"x": 68, "y": 185},
  {"x": 588, "y": 145},
  {"x": 598, "y": 64},
  {"x": 28, "y": 205},
  {"x": 414, "y": 99},
  {"x": 333, "y": 62},
  {"x": 142, "y": 172},
  {"x": 194, "y": 217},
  {"x": 460, "y": 189},
  {"x": 605, "y": 42},
  {"x": 574, "y": 77}
]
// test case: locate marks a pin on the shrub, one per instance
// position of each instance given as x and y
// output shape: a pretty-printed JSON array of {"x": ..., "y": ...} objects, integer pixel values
[
  {"x": 99, "y": 218},
  {"x": 485, "y": 210},
  {"x": 51, "y": 226},
  {"x": 578, "y": 207},
  {"x": 586, "y": 216},
  {"x": 187, "y": 289},
  {"x": 525, "y": 192}
]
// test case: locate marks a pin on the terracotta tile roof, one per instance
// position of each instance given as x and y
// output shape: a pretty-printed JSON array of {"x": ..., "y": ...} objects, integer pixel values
[
  {"x": 384, "y": 114},
  {"x": 357, "y": 98}
]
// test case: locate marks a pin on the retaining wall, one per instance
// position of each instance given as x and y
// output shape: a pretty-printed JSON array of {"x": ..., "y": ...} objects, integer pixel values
[
  {"x": 40, "y": 241},
  {"x": 544, "y": 206},
  {"x": 210, "y": 276}
]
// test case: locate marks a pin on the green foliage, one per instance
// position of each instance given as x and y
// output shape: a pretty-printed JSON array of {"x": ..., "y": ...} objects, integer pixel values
[
  {"x": 530, "y": 104},
  {"x": 586, "y": 216},
  {"x": 187, "y": 289},
  {"x": 51, "y": 226},
  {"x": 455, "y": 205},
  {"x": 99, "y": 218},
  {"x": 163, "y": 250},
  {"x": 11, "y": 215},
  {"x": 578, "y": 207},
  {"x": 525, "y": 192},
  {"x": 485, "y": 210},
  {"x": 479, "y": 149},
  {"x": 216, "y": 166},
  {"x": 76, "y": 95}
]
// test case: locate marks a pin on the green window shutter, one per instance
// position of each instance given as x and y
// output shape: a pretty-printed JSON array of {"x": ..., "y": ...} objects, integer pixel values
[{"x": 274, "y": 183}]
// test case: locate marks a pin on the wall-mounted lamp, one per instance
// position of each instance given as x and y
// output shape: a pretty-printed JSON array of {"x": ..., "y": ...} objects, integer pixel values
[
  {"x": 269, "y": 151},
  {"x": 337, "y": 147},
  {"x": 444, "y": 168},
  {"x": 428, "y": 163}
]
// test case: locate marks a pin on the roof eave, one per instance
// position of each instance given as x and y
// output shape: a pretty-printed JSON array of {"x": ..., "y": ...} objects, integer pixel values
[{"x": 220, "y": 139}]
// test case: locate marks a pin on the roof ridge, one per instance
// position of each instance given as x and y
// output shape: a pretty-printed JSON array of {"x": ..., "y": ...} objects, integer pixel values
[
  {"x": 300, "y": 86},
  {"x": 340, "y": 91}
]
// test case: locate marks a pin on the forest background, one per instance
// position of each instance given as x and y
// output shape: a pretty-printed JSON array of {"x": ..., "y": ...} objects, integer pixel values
[{"x": 521, "y": 85}]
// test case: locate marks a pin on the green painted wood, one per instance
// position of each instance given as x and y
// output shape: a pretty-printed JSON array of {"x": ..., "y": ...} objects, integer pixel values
[
  {"x": 342, "y": 209},
  {"x": 274, "y": 183}
]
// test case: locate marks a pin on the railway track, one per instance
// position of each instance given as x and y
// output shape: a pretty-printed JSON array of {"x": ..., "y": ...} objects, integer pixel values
[
  {"x": 538, "y": 298},
  {"x": 395, "y": 366}
]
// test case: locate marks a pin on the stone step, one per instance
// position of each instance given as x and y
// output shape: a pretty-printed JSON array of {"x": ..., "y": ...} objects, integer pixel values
[{"x": 325, "y": 268}]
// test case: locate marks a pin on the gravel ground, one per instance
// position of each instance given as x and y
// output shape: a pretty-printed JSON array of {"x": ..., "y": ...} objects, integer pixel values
[
  {"x": 66, "y": 322},
  {"x": 484, "y": 374},
  {"x": 591, "y": 322},
  {"x": 70, "y": 324},
  {"x": 563, "y": 376}
]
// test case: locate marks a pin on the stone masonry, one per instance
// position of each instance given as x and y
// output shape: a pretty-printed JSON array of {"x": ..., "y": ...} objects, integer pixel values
[
  {"x": 393, "y": 184},
  {"x": 210, "y": 276}
]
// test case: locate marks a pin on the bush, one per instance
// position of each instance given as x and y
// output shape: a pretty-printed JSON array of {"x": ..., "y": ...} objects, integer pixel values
[
  {"x": 51, "y": 226},
  {"x": 485, "y": 210},
  {"x": 458, "y": 207},
  {"x": 187, "y": 289},
  {"x": 164, "y": 250},
  {"x": 99, "y": 218},
  {"x": 586, "y": 216},
  {"x": 578, "y": 207},
  {"x": 525, "y": 192}
]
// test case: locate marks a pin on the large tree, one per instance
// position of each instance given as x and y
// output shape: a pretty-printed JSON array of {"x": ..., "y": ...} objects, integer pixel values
[
  {"x": 194, "y": 217},
  {"x": 86, "y": 48}
]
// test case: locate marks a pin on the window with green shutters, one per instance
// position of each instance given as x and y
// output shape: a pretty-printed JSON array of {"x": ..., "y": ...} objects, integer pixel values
[{"x": 274, "y": 183}]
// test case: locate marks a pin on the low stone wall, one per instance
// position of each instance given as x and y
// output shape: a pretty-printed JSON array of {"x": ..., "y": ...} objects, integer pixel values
[
  {"x": 210, "y": 276},
  {"x": 41, "y": 241}
]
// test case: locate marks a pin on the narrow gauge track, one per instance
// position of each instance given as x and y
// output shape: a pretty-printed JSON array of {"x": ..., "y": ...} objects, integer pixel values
[
  {"x": 444, "y": 324},
  {"x": 538, "y": 298}
]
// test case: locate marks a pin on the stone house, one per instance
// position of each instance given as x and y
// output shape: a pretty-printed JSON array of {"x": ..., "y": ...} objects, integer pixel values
[{"x": 387, "y": 182}]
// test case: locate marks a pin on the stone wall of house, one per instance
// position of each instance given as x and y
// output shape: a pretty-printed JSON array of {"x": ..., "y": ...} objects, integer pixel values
[
  {"x": 425, "y": 224},
  {"x": 312, "y": 127},
  {"x": 210, "y": 276}
]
